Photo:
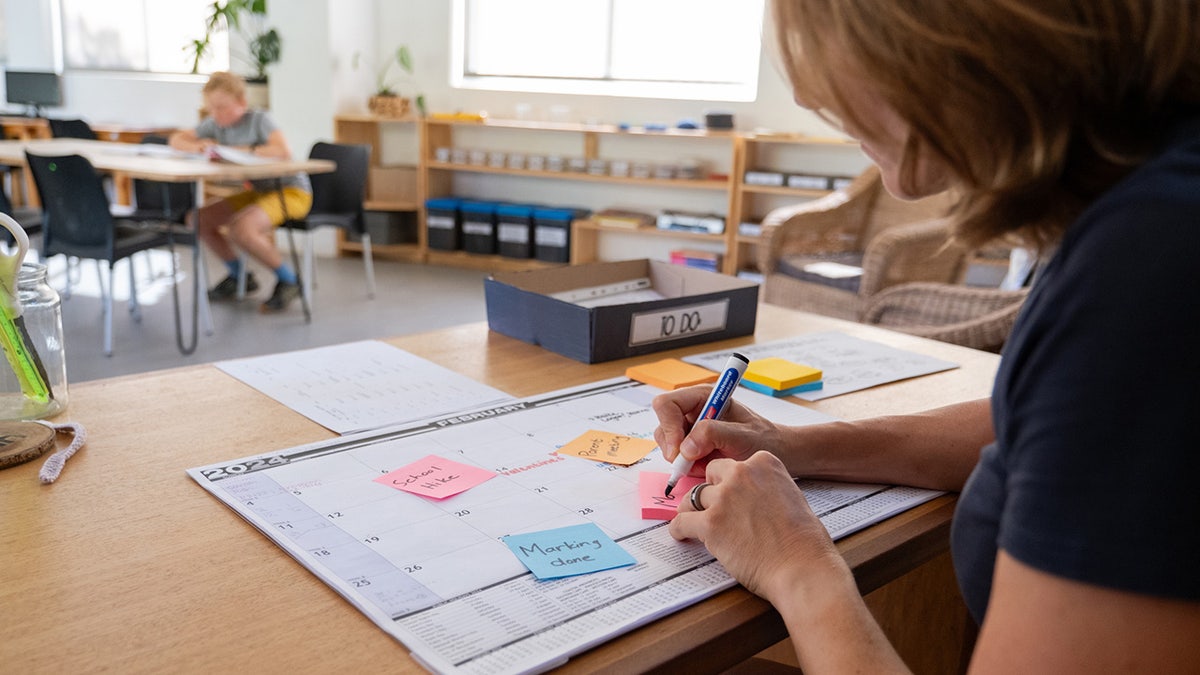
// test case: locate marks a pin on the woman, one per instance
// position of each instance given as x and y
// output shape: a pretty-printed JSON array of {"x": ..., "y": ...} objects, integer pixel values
[
  {"x": 246, "y": 219},
  {"x": 1075, "y": 126}
]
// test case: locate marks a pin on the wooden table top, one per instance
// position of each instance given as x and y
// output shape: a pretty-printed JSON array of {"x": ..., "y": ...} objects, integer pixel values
[
  {"x": 125, "y": 564},
  {"x": 123, "y": 158}
]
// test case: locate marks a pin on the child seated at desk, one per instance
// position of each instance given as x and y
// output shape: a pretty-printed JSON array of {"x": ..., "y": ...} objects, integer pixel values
[{"x": 246, "y": 219}]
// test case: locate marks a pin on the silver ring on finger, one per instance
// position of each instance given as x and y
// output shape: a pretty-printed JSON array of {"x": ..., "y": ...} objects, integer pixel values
[{"x": 694, "y": 496}]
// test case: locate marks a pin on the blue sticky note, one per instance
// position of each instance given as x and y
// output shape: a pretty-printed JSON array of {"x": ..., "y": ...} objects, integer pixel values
[
  {"x": 779, "y": 393},
  {"x": 567, "y": 551}
]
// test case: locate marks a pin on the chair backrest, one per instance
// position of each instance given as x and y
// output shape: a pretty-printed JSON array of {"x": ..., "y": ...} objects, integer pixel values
[
  {"x": 342, "y": 191},
  {"x": 153, "y": 195},
  {"x": 77, "y": 219},
  {"x": 887, "y": 211},
  {"x": 5, "y": 203},
  {"x": 71, "y": 129}
]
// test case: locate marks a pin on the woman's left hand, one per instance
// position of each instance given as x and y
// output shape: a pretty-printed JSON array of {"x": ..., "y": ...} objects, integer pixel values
[{"x": 758, "y": 525}]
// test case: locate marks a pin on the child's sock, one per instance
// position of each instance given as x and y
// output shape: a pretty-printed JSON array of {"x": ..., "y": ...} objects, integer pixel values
[{"x": 285, "y": 274}]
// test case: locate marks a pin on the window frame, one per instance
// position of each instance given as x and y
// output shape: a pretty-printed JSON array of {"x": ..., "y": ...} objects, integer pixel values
[
  {"x": 224, "y": 44},
  {"x": 735, "y": 92}
]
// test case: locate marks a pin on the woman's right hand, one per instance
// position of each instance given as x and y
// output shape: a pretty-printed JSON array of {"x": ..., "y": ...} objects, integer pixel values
[{"x": 738, "y": 434}]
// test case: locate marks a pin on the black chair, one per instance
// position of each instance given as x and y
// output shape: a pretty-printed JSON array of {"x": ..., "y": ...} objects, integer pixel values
[
  {"x": 27, "y": 217},
  {"x": 337, "y": 202},
  {"x": 78, "y": 223},
  {"x": 159, "y": 201},
  {"x": 72, "y": 129}
]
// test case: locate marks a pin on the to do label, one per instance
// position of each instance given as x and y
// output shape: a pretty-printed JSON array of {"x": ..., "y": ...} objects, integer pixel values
[{"x": 678, "y": 322}]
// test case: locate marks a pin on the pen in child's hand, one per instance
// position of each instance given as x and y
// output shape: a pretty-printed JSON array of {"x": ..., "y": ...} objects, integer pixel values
[{"x": 718, "y": 399}]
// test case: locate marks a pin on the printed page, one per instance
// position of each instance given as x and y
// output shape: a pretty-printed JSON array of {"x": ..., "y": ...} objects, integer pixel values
[
  {"x": 435, "y": 573},
  {"x": 235, "y": 156},
  {"x": 849, "y": 363},
  {"x": 364, "y": 385}
]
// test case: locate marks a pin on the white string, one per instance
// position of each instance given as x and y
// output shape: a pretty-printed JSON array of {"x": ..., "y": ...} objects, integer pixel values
[{"x": 55, "y": 463}]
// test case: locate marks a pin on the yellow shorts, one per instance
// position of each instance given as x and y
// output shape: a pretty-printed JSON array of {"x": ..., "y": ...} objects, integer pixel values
[{"x": 298, "y": 203}]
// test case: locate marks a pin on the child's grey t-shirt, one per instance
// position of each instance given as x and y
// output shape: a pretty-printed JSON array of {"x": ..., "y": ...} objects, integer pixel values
[{"x": 253, "y": 128}]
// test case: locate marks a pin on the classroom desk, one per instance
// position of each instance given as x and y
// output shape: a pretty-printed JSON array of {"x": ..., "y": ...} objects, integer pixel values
[
  {"x": 36, "y": 128},
  {"x": 122, "y": 161},
  {"x": 126, "y": 565},
  {"x": 129, "y": 133}
]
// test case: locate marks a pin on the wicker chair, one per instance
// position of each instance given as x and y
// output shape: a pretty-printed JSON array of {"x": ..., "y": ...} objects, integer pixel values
[
  {"x": 971, "y": 316},
  {"x": 893, "y": 241}
]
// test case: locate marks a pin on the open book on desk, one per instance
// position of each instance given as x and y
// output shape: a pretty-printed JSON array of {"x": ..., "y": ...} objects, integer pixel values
[{"x": 224, "y": 153}]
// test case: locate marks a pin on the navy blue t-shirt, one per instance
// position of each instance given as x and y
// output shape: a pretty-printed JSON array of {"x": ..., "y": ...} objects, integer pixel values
[{"x": 1095, "y": 472}]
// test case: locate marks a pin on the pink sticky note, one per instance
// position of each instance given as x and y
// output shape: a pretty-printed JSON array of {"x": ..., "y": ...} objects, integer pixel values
[
  {"x": 435, "y": 477},
  {"x": 655, "y": 504}
]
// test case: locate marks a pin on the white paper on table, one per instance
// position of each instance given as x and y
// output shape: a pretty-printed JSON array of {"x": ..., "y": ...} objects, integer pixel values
[
  {"x": 847, "y": 363},
  {"x": 364, "y": 385}
]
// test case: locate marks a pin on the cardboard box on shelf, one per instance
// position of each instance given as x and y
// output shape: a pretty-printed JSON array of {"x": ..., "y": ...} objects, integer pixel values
[
  {"x": 392, "y": 184},
  {"x": 673, "y": 306}
]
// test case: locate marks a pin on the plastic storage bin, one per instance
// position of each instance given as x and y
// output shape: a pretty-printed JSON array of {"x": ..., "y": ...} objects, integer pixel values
[
  {"x": 552, "y": 233},
  {"x": 514, "y": 230},
  {"x": 442, "y": 223},
  {"x": 478, "y": 226}
]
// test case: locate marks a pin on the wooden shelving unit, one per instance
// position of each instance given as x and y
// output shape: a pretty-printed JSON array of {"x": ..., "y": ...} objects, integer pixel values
[
  {"x": 435, "y": 178},
  {"x": 390, "y": 187}
]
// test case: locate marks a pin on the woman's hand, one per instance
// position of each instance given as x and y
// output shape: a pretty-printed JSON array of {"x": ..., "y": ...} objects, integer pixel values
[
  {"x": 759, "y": 525},
  {"x": 738, "y": 434}
]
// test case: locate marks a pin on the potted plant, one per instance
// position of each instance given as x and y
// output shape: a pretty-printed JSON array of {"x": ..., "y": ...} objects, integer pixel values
[
  {"x": 247, "y": 18},
  {"x": 386, "y": 102}
]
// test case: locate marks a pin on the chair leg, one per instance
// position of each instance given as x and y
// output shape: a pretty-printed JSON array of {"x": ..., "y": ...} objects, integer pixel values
[
  {"x": 135, "y": 309},
  {"x": 369, "y": 263},
  {"x": 201, "y": 273},
  {"x": 243, "y": 270},
  {"x": 306, "y": 278},
  {"x": 106, "y": 301},
  {"x": 66, "y": 291}
]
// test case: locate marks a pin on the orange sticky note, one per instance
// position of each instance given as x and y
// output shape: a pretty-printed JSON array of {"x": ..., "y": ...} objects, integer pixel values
[
  {"x": 670, "y": 374},
  {"x": 605, "y": 446},
  {"x": 654, "y": 503}
]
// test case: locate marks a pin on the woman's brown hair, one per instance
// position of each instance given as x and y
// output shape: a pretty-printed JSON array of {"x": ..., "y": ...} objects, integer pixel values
[{"x": 1036, "y": 106}]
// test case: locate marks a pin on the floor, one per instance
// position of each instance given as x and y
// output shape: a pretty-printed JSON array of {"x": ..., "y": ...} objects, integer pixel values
[{"x": 411, "y": 298}]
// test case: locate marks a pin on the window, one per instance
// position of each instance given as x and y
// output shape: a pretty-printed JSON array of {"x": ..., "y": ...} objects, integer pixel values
[
  {"x": 138, "y": 35},
  {"x": 695, "y": 49}
]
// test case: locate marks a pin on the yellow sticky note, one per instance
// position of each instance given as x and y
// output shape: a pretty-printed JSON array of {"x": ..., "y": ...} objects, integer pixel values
[
  {"x": 605, "y": 446},
  {"x": 670, "y": 374},
  {"x": 778, "y": 373}
]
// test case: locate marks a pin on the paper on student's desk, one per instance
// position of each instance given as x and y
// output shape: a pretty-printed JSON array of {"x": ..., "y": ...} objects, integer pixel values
[
  {"x": 849, "y": 363},
  {"x": 435, "y": 574},
  {"x": 225, "y": 153},
  {"x": 361, "y": 385}
]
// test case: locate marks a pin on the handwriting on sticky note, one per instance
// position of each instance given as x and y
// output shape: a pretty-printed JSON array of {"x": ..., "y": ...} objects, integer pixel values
[
  {"x": 568, "y": 551},
  {"x": 655, "y": 504},
  {"x": 435, "y": 477},
  {"x": 604, "y": 446}
]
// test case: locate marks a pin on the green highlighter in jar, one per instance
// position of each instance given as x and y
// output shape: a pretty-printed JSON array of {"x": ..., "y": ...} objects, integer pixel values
[{"x": 15, "y": 340}]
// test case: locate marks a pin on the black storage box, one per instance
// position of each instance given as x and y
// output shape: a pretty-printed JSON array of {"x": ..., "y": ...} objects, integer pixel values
[
  {"x": 478, "y": 226},
  {"x": 514, "y": 230},
  {"x": 696, "y": 306},
  {"x": 442, "y": 223}
]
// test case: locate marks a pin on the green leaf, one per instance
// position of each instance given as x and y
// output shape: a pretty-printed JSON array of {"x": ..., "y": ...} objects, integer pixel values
[{"x": 404, "y": 58}]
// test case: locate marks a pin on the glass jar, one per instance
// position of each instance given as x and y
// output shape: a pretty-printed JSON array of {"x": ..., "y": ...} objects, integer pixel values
[{"x": 40, "y": 390}]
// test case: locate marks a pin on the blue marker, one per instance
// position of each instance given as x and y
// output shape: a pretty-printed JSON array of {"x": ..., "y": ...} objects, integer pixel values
[{"x": 731, "y": 375}]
